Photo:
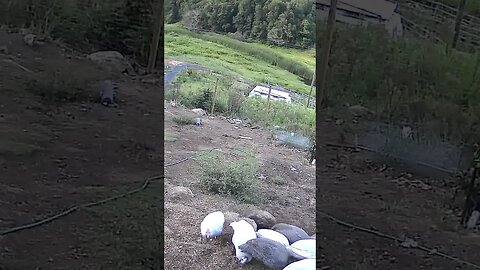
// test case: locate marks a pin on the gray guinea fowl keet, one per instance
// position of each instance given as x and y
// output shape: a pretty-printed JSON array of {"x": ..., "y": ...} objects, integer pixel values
[
  {"x": 270, "y": 252},
  {"x": 292, "y": 232}
]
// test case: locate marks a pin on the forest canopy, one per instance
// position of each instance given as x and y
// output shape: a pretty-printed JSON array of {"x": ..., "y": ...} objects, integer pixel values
[{"x": 281, "y": 22}]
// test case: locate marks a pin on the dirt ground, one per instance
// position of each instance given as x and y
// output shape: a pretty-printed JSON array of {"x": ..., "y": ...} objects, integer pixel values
[
  {"x": 291, "y": 202},
  {"x": 356, "y": 188},
  {"x": 55, "y": 156}
]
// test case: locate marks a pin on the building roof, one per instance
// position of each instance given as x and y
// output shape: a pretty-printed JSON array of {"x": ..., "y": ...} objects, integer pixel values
[
  {"x": 383, "y": 8},
  {"x": 263, "y": 89}
]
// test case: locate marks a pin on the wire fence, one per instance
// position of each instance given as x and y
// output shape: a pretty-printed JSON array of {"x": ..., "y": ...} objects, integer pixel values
[
  {"x": 122, "y": 25},
  {"x": 434, "y": 21}
]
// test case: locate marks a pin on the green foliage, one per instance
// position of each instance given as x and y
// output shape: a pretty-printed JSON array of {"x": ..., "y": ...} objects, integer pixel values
[
  {"x": 404, "y": 79},
  {"x": 183, "y": 119},
  {"x": 232, "y": 100},
  {"x": 292, "y": 117},
  {"x": 232, "y": 175},
  {"x": 253, "y": 61},
  {"x": 59, "y": 87},
  {"x": 281, "y": 22},
  {"x": 122, "y": 25},
  {"x": 262, "y": 53}
]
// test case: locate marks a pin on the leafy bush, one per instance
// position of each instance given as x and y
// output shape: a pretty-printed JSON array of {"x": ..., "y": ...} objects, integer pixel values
[
  {"x": 230, "y": 175},
  {"x": 183, "y": 119},
  {"x": 59, "y": 87},
  {"x": 404, "y": 79}
]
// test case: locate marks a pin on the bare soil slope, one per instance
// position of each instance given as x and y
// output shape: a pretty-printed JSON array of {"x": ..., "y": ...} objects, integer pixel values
[
  {"x": 56, "y": 155},
  {"x": 355, "y": 187},
  {"x": 291, "y": 202}
]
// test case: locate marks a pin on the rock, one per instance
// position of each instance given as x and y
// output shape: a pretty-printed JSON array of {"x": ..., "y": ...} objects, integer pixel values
[
  {"x": 263, "y": 219},
  {"x": 167, "y": 230},
  {"x": 229, "y": 218},
  {"x": 112, "y": 61},
  {"x": 30, "y": 39},
  {"x": 4, "y": 49},
  {"x": 180, "y": 193},
  {"x": 233, "y": 217},
  {"x": 199, "y": 111},
  {"x": 358, "y": 110},
  {"x": 251, "y": 222}
]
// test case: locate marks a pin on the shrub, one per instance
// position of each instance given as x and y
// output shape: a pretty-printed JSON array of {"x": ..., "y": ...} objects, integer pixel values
[
  {"x": 183, "y": 119},
  {"x": 231, "y": 176},
  {"x": 59, "y": 87}
]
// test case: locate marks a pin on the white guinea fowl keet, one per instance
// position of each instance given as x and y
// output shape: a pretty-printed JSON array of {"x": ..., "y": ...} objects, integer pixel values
[
  {"x": 304, "y": 248},
  {"x": 212, "y": 225},
  {"x": 242, "y": 232},
  {"x": 306, "y": 264},
  {"x": 273, "y": 235}
]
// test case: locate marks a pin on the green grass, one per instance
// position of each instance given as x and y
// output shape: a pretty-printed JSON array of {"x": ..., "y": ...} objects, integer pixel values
[
  {"x": 292, "y": 117},
  {"x": 252, "y": 61}
]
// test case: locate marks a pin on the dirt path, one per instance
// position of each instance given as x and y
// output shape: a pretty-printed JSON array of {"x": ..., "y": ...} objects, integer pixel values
[
  {"x": 291, "y": 202},
  {"x": 55, "y": 156},
  {"x": 354, "y": 187}
]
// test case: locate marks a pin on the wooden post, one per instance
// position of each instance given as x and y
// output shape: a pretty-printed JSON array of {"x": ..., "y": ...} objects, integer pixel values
[
  {"x": 322, "y": 61},
  {"x": 268, "y": 102},
  {"x": 214, "y": 96},
  {"x": 157, "y": 31},
  {"x": 311, "y": 88},
  {"x": 458, "y": 23}
]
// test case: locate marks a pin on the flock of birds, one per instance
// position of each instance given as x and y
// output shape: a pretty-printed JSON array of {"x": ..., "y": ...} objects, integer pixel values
[{"x": 283, "y": 247}]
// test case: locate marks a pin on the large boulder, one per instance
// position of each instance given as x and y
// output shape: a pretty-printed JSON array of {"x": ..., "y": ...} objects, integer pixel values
[
  {"x": 112, "y": 61},
  {"x": 179, "y": 193},
  {"x": 264, "y": 219}
]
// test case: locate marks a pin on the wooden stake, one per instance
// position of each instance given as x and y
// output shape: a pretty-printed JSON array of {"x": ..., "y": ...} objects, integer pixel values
[
  {"x": 458, "y": 23},
  {"x": 268, "y": 103},
  {"x": 214, "y": 96},
  {"x": 157, "y": 31},
  {"x": 311, "y": 88},
  {"x": 322, "y": 61}
]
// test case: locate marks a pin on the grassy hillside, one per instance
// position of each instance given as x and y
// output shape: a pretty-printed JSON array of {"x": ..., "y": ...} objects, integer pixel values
[{"x": 257, "y": 62}]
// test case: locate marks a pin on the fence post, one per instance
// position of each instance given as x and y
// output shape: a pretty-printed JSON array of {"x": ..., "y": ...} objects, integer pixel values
[
  {"x": 268, "y": 103},
  {"x": 311, "y": 87},
  {"x": 458, "y": 23},
  {"x": 322, "y": 61},
  {"x": 214, "y": 96},
  {"x": 157, "y": 31}
]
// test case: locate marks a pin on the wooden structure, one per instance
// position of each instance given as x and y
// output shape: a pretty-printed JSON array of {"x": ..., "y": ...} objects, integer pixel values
[{"x": 364, "y": 12}]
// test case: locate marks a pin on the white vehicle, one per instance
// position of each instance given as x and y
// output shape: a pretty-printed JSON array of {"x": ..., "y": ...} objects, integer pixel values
[{"x": 262, "y": 91}]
